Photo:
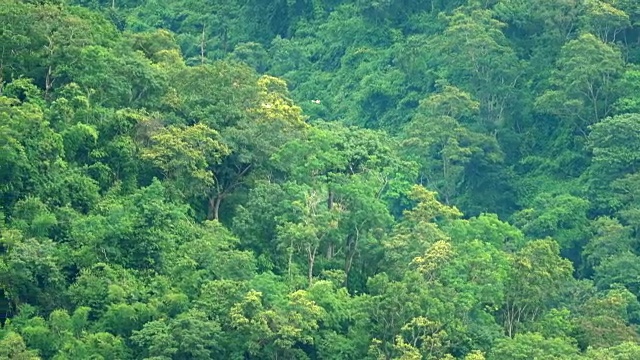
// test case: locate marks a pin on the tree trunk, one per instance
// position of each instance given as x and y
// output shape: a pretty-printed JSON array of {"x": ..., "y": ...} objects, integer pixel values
[
  {"x": 311, "y": 251},
  {"x": 290, "y": 263},
  {"x": 202, "y": 44},
  {"x": 350, "y": 252},
  {"x": 330, "y": 197},
  {"x": 1, "y": 70},
  {"x": 48, "y": 82},
  {"x": 225, "y": 40},
  {"x": 330, "y": 252},
  {"x": 213, "y": 212}
]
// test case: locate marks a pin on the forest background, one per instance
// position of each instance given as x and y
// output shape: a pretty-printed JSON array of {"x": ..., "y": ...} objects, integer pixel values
[{"x": 320, "y": 179}]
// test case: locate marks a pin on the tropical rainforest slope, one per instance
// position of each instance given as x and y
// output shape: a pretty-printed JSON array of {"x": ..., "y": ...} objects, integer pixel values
[{"x": 319, "y": 179}]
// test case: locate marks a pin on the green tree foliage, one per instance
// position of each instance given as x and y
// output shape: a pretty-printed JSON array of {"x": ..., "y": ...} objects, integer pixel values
[
  {"x": 612, "y": 143},
  {"x": 319, "y": 179},
  {"x": 586, "y": 80}
]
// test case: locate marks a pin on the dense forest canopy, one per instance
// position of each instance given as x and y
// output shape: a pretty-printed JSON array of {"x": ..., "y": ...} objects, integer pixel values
[{"x": 320, "y": 179}]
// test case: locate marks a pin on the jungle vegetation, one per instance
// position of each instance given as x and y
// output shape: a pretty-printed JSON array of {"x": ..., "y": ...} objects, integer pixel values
[{"x": 320, "y": 179}]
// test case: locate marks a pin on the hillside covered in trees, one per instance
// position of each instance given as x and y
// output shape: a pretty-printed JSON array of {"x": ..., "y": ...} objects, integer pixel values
[{"x": 320, "y": 179}]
